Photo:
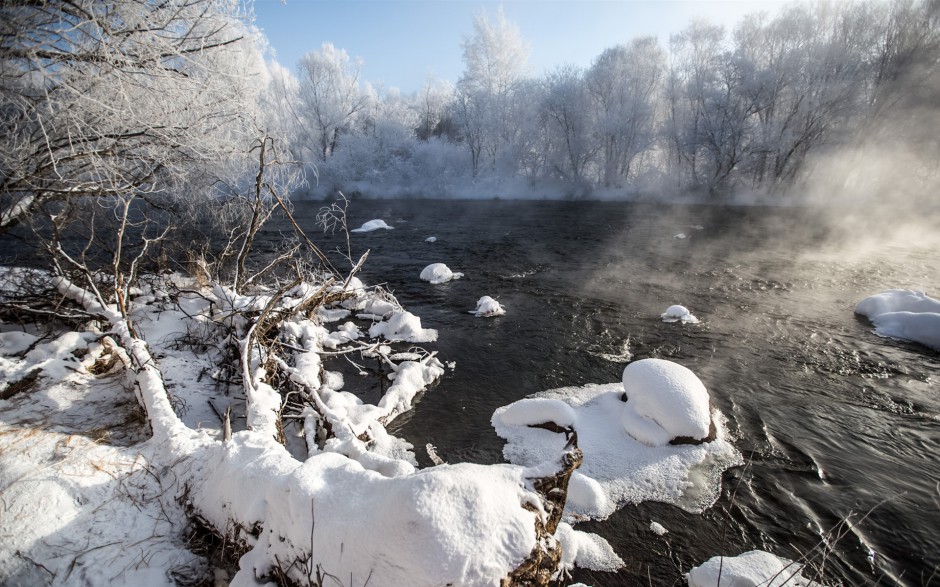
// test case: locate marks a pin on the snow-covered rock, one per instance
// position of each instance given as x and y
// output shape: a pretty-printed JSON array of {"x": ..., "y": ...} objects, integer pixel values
[
  {"x": 904, "y": 314},
  {"x": 748, "y": 570},
  {"x": 487, "y": 307},
  {"x": 373, "y": 225},
  {"x": 617, "y": 468},
  {"x": 405, "y": 326},
  {"x": 665, "y": 401},
  {"x": 677, "y": 313},
  {"x": 658, "y": 529},
  {"x": 431, "y": 239},
  {"x": 439, "y": 273}
]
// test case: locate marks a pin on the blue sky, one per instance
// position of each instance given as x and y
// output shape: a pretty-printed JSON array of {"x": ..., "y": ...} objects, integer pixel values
[{"x": 402, "y": 42}]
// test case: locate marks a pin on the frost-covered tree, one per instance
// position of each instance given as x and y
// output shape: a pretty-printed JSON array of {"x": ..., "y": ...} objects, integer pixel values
[
  {"x": 624, "y": 82},
  {"x": 124, "y": 98},
  {"x": 432, "y": 104},
  {"x": 568, "y": 122},
  {"x": 330, "y": 96},
  {"x": 494, "y": 68}
]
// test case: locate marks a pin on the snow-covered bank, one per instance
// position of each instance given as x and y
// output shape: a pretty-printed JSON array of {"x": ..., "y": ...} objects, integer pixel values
[
  {"x": 294, "y": 517},
  {"x": 904, "y": 314}
]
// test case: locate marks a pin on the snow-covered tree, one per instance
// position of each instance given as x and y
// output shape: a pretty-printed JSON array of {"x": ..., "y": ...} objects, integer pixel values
[
  {"x": 494, "y": 68},
  {"x": 330, "y": 96},
  {"x": 624, "y": 82},
  {"x": 568, "y": 123},
  {"x": 118, "y": 99}
]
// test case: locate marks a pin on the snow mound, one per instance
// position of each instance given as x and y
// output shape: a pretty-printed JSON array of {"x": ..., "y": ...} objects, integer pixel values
[
  {"x": 533, "y": 411},
  {"x": 439, "y": 273},
  {"x": 617, "y": 468},
  {"x": 681, "y": 235},
  {"x": 403, "y": 326},
  {"x": 658, "y": 529},
  {"x": 904, "y": 314},
  {"x": 431, "y": 239},
  {"x": 458, "y": 524},
  {"x": 664, "y": 401},
  {"x": 487, "y": 307},
  {"x": 585, "y": 550},
  {"x": 748, "y": 570},
  {"x": 677, "y": 313},
  {"x": 372, "y": 225}
]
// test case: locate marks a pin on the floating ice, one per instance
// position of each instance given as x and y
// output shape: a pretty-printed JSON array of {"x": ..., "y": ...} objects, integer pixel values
[
  {"x": 748, "y": 570},
  {"x": 487, "y": 307},
  {"x": 439, "y": 273},
  {"x": 680, "y": 235},
  {"x": 372, "y": 225},
  {"x": 677, "y": 313},
  {"x": 904, "y": 314},
  {"x": 431, "y": 239}
]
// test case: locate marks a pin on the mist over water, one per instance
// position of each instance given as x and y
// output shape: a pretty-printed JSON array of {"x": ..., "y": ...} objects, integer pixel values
[{"x": 833, "y": 420}]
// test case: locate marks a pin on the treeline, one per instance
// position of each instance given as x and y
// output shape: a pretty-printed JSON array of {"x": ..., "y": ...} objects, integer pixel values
[{"x": 815, "y": 90}]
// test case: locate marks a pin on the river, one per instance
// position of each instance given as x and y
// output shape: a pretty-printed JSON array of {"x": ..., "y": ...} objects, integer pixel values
[{"x": 834, "y": 422}]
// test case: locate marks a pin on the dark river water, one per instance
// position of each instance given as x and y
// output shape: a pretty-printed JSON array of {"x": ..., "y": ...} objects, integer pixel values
[{"x": 834, "y": 422}]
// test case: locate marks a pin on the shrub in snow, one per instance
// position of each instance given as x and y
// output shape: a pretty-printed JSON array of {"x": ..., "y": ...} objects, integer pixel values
[
  {"x": 751, "y": 569},
  {"x": 904, "y": 314},
  {"x": 439, "y": 273},
  {"x": 486, "y": 307},
  {"x": 372, "y": 225},
  {"x": 678, "y": 313},
  {"x": 665, "y": 401}
]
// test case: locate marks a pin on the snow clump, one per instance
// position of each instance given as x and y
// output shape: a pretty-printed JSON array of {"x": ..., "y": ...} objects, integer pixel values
[
  {"x": 372, "y": 225},
  {"x": 431, "y": 239},
  {"x": 677, "y": 313},
  {"x": 664, "y": 401},
  {"x": 487, "y": 307},
  {"x": 403, "y": 326},
  {"x": 904, "y": 314},
  {"x": 748, "y": 570},
  {"x": 658, "y": 529},
  {"x": 439, "y": 273}
]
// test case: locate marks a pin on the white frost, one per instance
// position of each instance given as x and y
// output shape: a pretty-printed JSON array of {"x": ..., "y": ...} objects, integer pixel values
[
  {"x": 439, "y": 273},
  {"x": 372, "y": 225},
  {"x": 487, "y": 307},
  {"x": 677, "y": 313},
  {"x": 748, "y": 570},
  {"x": 904, "y": 314}
]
